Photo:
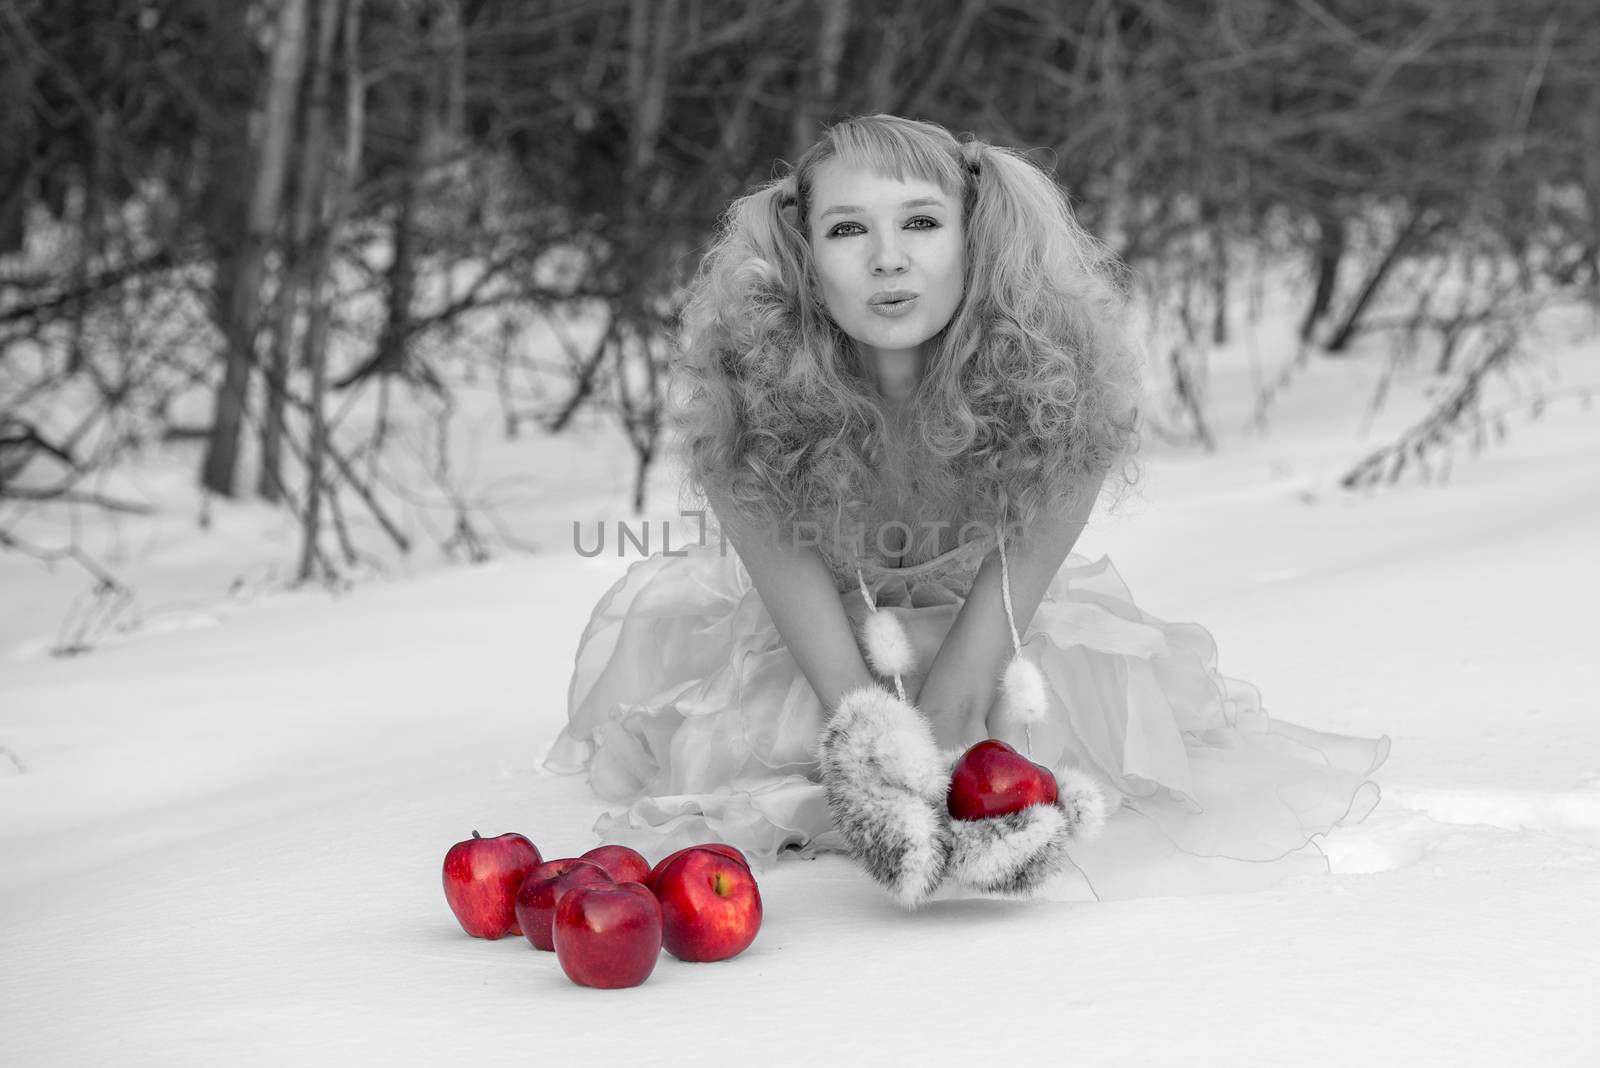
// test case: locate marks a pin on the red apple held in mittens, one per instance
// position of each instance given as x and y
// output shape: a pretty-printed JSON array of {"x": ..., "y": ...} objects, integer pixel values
[
  {"x": 542, "y": 890},
  {"x": 731, "y": 852},
  {"x": 992, "y": 779},
  {"x": 608, "y": 935},
  {"x": 624, "y": 865},
  {"x": 710, "y": 906},
  {"x": 481, "y": 879}
]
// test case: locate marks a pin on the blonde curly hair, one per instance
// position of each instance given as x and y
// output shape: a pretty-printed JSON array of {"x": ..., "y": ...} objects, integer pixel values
[{"x": 1029, "y": 394}]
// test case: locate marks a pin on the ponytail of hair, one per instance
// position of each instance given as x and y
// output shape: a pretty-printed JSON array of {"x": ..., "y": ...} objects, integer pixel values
[{"x": 1039, "y": 386}]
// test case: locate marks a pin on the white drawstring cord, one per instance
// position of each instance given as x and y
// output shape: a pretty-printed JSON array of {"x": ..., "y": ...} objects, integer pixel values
[
  {"x": 1005, "y": 589},
  {"x": 1022, "y": 686},
  {"x": 880, "y": 656},
  {"x": 889, "y": 652}
]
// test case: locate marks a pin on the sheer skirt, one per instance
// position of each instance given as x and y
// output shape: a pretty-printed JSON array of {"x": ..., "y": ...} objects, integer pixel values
[{"x": 687, "y": 710}]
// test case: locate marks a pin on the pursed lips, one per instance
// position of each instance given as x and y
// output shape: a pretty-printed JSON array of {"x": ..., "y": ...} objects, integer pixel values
[{"x": 895, "y": 296}]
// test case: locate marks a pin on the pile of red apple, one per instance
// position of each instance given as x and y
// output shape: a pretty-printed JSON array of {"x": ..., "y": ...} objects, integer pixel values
[{"x": 607, "y": 914}]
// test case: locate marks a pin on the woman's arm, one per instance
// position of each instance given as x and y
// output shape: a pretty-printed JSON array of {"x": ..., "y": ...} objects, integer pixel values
[
  {"x": 964, "y": 677},
  {"x": 798, "y": 591}
]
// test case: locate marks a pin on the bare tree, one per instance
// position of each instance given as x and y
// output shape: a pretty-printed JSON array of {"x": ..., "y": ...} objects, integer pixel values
[{"x": 240, "y": 290}]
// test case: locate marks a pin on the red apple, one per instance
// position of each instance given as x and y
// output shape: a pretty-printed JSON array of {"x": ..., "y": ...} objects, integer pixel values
[
  {"x": 992, "y": 779},
  {"x": 481, "y": 878},
  {"x": 624, "y": 865},
  {"x": 731, "y": 852},
  {"x": 608, "y": 935},
  {"x": 542, "y": 890},
  {"x": 710, "y": 905}
]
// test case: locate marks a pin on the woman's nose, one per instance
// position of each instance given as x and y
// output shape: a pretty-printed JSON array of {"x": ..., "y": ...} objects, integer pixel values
[{"x": 888, "y": 257}]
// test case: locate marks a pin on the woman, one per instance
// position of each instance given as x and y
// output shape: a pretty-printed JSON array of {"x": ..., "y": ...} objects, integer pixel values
[{"x": 906, "y": 384}]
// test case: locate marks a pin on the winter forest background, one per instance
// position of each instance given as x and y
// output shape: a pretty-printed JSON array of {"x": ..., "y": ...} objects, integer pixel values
[
  {"x": 268, "y": 235},
  {"x": 303, "y": 303}
]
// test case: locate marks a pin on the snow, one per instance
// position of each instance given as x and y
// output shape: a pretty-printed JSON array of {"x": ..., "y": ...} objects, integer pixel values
[{"x": 221, "y": 831}]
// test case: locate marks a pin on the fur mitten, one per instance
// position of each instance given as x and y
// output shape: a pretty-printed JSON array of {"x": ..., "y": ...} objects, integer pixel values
[
  {"x": 885, "y": 783},
  {"x": 1017, "y": 852}
]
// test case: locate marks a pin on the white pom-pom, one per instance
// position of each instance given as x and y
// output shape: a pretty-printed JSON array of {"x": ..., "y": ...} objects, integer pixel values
[
  {"x": 1081, "y": 798},
  {"x": 1022, "y": 691},
  {"x": 888, "y": 649}
]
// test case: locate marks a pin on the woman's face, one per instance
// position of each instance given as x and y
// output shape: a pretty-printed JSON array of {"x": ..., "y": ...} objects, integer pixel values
[{"x": 890, "y": 256}]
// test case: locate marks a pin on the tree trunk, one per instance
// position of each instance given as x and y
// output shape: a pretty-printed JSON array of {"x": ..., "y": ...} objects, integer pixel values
[
  {"x": 17, "y": 126},
  {"x": 889, "y": 44},
  {"x": 300, "y": 259},
  {"x": 821, "y": 81},
  {"x": 91, "y": 235},
  {"x": 242, "y": 284},
  {"x": 331, "y": 220},
  {"x": 1402, "y": 244},
  {"x": 1589, "y": 130},
  {"x": 269, "y": 479},
  {"x": 1331, "y": 239},
  {"x": 390, "y": 355},
  {"x": 392, "y": 345}
]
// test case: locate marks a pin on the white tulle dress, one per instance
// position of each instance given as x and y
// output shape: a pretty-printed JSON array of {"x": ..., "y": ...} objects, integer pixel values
[{"x": 688, "y": 712}]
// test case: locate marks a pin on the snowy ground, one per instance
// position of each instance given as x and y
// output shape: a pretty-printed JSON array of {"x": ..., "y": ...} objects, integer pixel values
[{"x": 220, "y": 834}]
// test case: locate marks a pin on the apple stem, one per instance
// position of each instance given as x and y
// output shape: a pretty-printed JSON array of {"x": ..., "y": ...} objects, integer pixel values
[
  {"x": 475, "y": 834},
  {"x": 1027, "y": 732}
]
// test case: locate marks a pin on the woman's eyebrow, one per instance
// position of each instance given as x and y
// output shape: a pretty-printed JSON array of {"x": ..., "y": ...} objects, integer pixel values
[{"x": 919, "y": 202}]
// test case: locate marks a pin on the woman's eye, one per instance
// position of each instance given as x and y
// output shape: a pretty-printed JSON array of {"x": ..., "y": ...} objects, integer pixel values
[{"x": 920, "y": 222}]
